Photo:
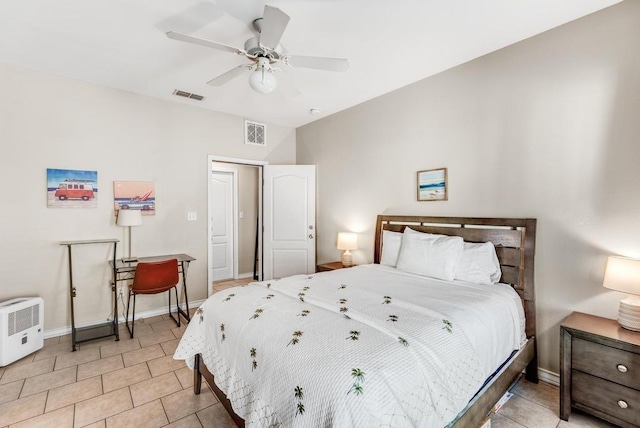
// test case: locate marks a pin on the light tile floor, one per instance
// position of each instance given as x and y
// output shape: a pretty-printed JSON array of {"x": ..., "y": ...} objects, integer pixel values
[
  {"x": 537, "y": 406},
  {"x": 136, "y": 382},
  {"x": 223, "y": 285},
  {"x": 132, "y": 382}
]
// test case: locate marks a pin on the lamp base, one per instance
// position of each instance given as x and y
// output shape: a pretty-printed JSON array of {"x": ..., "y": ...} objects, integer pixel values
[
  {"x": 347, "y": 261},
  {"x": 629, "y": 313}
]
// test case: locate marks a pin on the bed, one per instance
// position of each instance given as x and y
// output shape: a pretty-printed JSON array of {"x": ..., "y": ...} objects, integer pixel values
[{"x": 373, "y": 345}]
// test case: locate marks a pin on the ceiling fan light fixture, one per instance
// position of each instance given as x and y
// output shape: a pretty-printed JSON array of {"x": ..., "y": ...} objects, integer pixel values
[
  {"x": 265, "y": 53},
  {"x": 262, "y": 80}
]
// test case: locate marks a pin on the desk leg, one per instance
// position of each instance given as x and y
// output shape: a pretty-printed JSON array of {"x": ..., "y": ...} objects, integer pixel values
[
  {"x": 114, "y": 290},
  {"x": 186, "y": 315},
  {"x": 72, "y": 294}
]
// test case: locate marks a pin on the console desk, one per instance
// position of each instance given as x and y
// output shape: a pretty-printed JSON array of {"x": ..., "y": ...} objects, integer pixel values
[{"x": 124, "y": 271}]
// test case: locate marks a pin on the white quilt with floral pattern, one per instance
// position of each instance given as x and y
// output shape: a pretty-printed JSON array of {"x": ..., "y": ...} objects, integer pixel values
[{"x": 367, "y": 346}]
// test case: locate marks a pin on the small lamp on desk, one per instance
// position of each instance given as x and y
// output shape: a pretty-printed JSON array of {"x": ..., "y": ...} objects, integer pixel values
[
  {"x": 128, "y": 218},
  {"x": 347, "y": 242},
  {"x": 623, "y": 274}
]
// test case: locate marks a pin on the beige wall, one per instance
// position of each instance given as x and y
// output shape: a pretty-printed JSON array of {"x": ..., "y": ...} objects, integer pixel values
[
  {"x": 52, "y": 122},
  {"x": 547, "y": 128}
]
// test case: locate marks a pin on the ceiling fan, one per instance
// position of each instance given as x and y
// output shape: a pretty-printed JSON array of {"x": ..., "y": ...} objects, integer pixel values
[{"x": 264, "y": 52}]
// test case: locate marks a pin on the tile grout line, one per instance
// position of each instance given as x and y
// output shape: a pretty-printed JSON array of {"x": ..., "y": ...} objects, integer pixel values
[
  {"x": 21, "y": 388},
  {"x": 532, "y": 403},
  {"x": 514, "y": 421},
  {"x": 535, "y": 402},
  {"x": 165, "y": 410}
]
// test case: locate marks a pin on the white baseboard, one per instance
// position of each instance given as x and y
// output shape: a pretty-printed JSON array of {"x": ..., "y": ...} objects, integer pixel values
[
  {"x": 245, "y": 275},
  {"x": 146, "y": 314},
  {"x": 549, "y": 377}
]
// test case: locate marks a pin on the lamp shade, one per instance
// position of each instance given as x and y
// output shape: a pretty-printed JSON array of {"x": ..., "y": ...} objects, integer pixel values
[
  {"x": 129, "y": 218},
  {"x": 622, "y": 274},
  {"x": 347, "y": 241}
]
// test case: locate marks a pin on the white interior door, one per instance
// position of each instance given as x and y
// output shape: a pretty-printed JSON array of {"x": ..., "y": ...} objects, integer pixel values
[
  {"x": 289, "y": 197},
  {"x": 222, "y": 225}
]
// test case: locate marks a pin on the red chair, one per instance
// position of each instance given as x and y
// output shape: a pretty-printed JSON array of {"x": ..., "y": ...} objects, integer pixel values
[{"x": 153, "y": 278}]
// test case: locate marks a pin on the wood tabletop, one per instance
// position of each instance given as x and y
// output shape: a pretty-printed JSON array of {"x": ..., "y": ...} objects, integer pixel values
[{"x": 605, "y": 327}]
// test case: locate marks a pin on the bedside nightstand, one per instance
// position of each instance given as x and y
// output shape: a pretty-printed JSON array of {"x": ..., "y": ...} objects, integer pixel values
[
  {"x": 599, "y": 369},
  {"x": 329, "y": 266}
]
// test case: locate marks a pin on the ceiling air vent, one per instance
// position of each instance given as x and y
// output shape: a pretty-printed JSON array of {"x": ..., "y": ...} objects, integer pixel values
[
  {"x": 188, "y": 95},
  {"x": 255, "y": 133}
]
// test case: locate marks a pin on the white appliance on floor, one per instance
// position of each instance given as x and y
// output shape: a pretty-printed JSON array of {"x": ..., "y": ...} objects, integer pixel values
[{"x": 21, "y": 328}]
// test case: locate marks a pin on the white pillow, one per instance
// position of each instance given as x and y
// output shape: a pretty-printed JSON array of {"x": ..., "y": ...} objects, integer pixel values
[
  {"x": 416, "y": 234},
  {"x": 429, "y": 255},
  {"x": 479, "y": 264},
  {"x": 391, "y": 242}
]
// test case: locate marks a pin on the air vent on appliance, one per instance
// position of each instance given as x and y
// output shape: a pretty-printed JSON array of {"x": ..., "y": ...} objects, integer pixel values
[
  {"x": 21, "y": 328},
  {"x": 255, "y": 133},
  {"x": 188, "y": 95},
  {"x": 23, "y": 319}
]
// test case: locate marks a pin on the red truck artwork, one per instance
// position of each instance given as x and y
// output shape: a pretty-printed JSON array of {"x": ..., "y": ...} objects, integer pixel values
[{"x": 75, "y": 189}]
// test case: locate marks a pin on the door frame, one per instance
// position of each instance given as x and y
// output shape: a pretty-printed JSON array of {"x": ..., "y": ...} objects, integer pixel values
[{"x": 210, "y": 169}]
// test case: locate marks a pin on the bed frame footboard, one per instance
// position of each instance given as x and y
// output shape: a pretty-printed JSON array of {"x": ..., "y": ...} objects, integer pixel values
[
  {"x": 200, "y": 370},
  {"x": 484, "y": 401},
  {"x": 478, "y": 408}
]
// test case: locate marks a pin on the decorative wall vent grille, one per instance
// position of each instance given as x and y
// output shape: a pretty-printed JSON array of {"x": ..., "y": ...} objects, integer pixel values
[
  {"x": 255, "y": 133},
  {"x": 188, "y": 95}
]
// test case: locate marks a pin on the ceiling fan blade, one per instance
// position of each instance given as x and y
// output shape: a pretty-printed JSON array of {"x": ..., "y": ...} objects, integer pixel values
[
  {"x": 203, "y": 42},
  {"x": 274, "y": 22},
  {"x": 319, "y": 63},
  {"x": 229, "y": 75}
]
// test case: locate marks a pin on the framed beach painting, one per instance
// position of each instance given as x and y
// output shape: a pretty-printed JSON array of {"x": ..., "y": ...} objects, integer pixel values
[
  {"x": 69, "y": 188},
  {"x": 432, "y": 185},
  {"x": 134, "y": 195}
]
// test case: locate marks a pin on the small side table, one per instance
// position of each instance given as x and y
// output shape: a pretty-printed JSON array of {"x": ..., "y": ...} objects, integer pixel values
[
  {"x": 329, "y": 266},
  {"x": 599, "y": 369}
]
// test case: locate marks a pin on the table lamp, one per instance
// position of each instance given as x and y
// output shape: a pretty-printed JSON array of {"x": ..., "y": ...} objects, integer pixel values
[
  {"x": 128, "y": 218},
  {"x": 623, "y": 274},
  {"x": 347, "y": 242}
]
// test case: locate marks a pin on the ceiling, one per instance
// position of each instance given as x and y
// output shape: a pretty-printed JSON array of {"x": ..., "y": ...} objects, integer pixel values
[{"x": 389, "y": 44}]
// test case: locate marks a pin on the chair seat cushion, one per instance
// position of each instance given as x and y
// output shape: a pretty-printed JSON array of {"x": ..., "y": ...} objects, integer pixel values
[{"x": 152, "y": 290}]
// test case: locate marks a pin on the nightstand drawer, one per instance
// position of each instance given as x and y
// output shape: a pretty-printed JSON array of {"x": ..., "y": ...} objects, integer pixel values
[
  {"x": 607, "y": 397},
  {"x": 608, "y": 363}
]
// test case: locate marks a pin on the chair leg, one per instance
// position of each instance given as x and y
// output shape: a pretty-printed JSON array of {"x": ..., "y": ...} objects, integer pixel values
[{"x": 176, "y": 319}]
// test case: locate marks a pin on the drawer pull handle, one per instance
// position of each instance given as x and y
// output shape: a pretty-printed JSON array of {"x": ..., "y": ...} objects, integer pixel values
[
  {"x": 622, "y": 368},
  {"x": 622, "y": 404}
]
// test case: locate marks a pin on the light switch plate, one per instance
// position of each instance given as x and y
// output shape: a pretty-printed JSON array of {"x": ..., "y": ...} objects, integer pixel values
[{"x": 192, "y": 216}]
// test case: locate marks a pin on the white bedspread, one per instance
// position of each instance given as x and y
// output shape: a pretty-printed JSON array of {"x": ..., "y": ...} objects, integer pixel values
[{"x": 361, "y": 347}]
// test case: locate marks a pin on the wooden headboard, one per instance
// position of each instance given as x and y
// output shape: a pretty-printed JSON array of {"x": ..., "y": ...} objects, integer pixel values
[{"x": 514, "y": 239}]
